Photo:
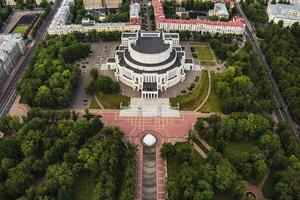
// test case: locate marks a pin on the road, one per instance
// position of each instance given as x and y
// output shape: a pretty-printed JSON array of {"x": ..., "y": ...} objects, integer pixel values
[
  {"x": 8, "y": 97},
  {"x": 283, "y": 112}
]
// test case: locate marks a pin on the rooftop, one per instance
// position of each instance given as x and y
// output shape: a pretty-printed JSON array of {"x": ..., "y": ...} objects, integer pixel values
[
  {"x": 150, "y": 45},
  {"x": 285, "y": 11},
  {"x": 160, "y": 17}
]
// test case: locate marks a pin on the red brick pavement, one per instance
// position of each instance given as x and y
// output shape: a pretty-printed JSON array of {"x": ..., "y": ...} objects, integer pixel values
[{"x": 166, "y": 129}]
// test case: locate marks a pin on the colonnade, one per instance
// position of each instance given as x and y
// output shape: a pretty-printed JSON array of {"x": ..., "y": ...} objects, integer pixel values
[{"x": 149, "y": 95}]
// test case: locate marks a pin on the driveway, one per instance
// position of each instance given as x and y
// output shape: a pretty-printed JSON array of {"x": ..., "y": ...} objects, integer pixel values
[{"x": 98, "y": 55}]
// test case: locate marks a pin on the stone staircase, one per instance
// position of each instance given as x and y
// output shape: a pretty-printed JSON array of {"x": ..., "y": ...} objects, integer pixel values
[{"x": 159, "y": 107}]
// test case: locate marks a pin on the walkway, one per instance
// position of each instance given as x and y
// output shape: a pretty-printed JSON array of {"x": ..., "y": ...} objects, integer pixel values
[
  {"x": 166, "y": 129},
  {"x": 208, "y": 93},
  {"x": 98, "y": 102}
]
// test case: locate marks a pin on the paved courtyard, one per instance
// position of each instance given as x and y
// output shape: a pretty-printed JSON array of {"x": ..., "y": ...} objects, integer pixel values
[{"x": 166, "y": 129}]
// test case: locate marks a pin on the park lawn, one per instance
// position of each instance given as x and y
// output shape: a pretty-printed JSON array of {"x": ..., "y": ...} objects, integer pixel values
[
  {"x": 269, "y": 186},
  {"x": 94, "y": 104},
  {"x": 213, "y": 103},
  {"x": 205, "y": 54},
  {"x": 222, "y": 195},
  {"x": 193, "y": 99},
  {"x": 110, "y": 101},
  {"x": 237, "y": 147},
  {"x": 84, "y": 186},
  {"x": 20, "y": 29}
]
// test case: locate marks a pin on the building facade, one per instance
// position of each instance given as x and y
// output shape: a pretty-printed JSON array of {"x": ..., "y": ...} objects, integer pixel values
[
  {"x": 236, "y": 26},
  {"x": 10, "y": 2},
  {"x": 149, "y": 62},
  {"x": 93, "y": 4},
  {"x": 59, "y": 24},
  {"x": 219, "y": 10},
  {"x": 288, "y": 14},
  {"x": 98, "y": 4},
  {"x": 12, "y": 47}
]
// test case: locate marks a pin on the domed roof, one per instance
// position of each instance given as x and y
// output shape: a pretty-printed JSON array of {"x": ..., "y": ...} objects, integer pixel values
[{"x": 149, "y": 140}]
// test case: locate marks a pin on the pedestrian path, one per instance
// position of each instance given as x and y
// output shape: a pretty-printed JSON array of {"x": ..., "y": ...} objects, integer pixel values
[{"x": 208, "y": 93}]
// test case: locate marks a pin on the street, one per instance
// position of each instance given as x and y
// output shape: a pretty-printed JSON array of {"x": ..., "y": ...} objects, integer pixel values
[
  {"x": 283, "y": 113},
  {"x": 8, "y": 97}
]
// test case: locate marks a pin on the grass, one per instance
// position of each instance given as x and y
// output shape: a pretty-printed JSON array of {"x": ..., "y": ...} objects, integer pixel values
[
  {"x": 110, "y": 101},
  {"x": 84, "y": 186},
  {"x": 205, "y": 54},
  {"x": 213, "y": 103},
  {"x": 193, "y": 99},
  {"x": 237, "y": 147},
  {"x": 20, "y": 29},
  {"x": 268, "y": 187}
]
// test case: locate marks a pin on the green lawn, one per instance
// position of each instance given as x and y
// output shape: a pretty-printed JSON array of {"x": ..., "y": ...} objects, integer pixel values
[
  {"x": 205, "y": 54},
  {"x": 236, "y": 147},
  {"x": 213, "y": 103},
  {"x": 20, "y": 29},
  {"x": 269, "y": 186},
  {"x": 110, "y": 101},
  {"x": 84, "y": 186},
  {"x": 194, "y": 98}
]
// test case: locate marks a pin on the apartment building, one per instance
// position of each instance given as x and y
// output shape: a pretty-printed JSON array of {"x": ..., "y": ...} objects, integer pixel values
[{"x": 12, "y": 47}]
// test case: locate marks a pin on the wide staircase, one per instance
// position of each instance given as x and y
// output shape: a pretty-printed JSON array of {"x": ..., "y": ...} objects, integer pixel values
[{"x": 159, "y": 107}]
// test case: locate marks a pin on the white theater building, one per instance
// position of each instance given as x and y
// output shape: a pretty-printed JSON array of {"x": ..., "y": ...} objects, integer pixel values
[{"x": 150, "y": 62}]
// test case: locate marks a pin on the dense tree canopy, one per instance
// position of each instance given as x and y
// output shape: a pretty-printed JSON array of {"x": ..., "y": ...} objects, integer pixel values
[
  {"x": 196, "y": 181},
  {"x": 51, "y": 75},
  {"x": 101, "y": 84},
  {"x": 5, "y": 11},
  {"x": 51, "y": 149},
  {"x": 282, "y": 50}
]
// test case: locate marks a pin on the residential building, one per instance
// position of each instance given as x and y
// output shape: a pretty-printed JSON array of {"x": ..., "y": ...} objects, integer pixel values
[
  {"x": 219, "y": 10},
  {"x": 149, "y": 62},
  {"x": 93, "y": 4},
  {"x": 10, "y": 2},
  {"x": 134, "y": 12},
  {"x": 98, "y": 4},
  {"x": 236, "y": 26},
  {"x": 289, "y": 14},
  {"x": 38, "y": 2},
  {"x": 59, "y": 23},
  {"x": 112, "y": 3},
  {"x": 12, "y": 47}
]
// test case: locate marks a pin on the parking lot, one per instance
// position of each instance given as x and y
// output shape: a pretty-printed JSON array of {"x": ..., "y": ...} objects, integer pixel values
[{"x": 98, "y": 55}]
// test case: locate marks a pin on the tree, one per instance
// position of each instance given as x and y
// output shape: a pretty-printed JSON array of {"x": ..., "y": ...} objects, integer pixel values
[
  {"x": 270, "y": 144},
  {"x": 259, "y": 168},
  {"x": 239, "y": 188},
  {"x": 166, "y": 150},
  {"x": 225, "y": 176},
  {"x": 94, "y": 73},
  {"x": 282, "y": 192},
  {"x": 171, "y": 190}
]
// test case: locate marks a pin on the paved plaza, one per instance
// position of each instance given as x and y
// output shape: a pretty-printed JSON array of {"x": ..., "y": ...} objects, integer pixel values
[{"x": 165, "y": 129}]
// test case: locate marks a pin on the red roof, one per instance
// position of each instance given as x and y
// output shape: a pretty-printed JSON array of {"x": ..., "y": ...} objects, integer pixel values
[{"x": 160, "y": 17}]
